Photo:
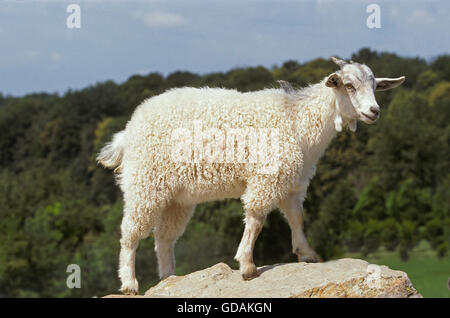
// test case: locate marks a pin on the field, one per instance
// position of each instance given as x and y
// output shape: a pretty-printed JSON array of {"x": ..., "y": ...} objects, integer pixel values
[{"x": 429, "y": 274}]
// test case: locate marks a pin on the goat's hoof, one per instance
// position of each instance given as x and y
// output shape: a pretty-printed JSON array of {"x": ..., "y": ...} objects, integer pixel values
[
  {"x": 127, "y": 291},
  {"x": 249, "y": 272},
  {"x": 130, "y": 289},
  {"x": 309, "y": 258}
]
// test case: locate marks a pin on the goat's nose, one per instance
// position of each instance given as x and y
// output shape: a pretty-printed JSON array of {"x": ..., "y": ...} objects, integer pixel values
[{"x": 375, "y": 110}]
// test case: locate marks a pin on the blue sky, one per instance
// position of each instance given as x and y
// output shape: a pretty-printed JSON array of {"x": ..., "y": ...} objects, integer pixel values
[{"x": 120, "y": 38}]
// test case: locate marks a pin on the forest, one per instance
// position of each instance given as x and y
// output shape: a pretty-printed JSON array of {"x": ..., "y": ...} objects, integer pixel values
[{"x": 385, "y": 186}]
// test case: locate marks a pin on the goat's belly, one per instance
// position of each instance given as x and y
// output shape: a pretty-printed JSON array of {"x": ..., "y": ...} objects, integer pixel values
[{"x": 208, "y": 192}]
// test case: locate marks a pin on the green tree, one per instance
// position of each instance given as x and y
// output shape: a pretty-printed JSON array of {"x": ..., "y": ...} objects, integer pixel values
[
  {"x": 370, "y": 204},
  {"x": 326, "y": 231},
  {"x": 389, "y": 235}
]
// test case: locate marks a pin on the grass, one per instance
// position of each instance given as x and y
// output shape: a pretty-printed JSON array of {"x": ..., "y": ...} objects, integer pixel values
[{"x": 429, "y": 274}]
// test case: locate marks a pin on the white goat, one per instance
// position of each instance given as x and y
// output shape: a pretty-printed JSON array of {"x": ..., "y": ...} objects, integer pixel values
[{"x": 162, "y": 184}]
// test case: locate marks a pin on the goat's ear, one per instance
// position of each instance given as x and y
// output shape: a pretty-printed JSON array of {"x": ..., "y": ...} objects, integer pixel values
[
  {"x": 286, "y": 86},
  {"x": 333, "y": 80},
  {"x": 384, "y": 83}
]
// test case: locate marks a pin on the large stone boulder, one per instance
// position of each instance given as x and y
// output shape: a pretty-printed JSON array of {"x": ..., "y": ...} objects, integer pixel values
[{"x": 339, "y": 278}]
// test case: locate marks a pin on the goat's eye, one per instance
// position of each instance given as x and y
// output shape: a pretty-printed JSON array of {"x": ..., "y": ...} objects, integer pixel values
[{"x": 349, "y": 86}]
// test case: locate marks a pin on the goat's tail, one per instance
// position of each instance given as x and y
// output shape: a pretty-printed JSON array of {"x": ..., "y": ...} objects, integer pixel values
[{"x": 111, "y": 154}]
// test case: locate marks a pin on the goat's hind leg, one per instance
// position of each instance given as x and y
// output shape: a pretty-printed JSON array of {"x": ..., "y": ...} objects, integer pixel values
[
  {"x": 128, "y": 245},
  {"x": 138, "y": 221},
  {"x": 171, "y": 225}
]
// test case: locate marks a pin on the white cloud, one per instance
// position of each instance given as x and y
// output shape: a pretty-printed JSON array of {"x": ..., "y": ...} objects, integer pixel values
[
  {"x": 55, "y": 57},
  {"x": 421, "y": 16},
  {"x": 393, "y": 12},
  {"x": 141, "y": 72},
  {"x": 32, "y": 54},
  {"x": 160, "y": 19}
]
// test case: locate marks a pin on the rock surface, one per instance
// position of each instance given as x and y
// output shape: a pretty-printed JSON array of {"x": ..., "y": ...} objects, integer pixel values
[{"x": 340, "y": 278}]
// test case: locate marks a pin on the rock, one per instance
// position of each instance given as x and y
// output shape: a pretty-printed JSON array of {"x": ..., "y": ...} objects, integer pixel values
[{"x": 339, "y": 278}]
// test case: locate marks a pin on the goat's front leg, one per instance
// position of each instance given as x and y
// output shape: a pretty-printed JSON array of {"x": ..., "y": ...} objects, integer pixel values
[
  {"x": 292, "y": 208},
  {"x": 259, "y": 198},
  {"x": 253, "y": 225}
]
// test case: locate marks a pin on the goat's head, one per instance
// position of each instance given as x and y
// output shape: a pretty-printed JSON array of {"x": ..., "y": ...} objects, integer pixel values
[{"x": 354, "y": 85}]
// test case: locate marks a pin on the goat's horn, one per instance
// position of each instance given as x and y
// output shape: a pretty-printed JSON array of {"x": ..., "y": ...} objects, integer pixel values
[{"x": 339, "y": 62}]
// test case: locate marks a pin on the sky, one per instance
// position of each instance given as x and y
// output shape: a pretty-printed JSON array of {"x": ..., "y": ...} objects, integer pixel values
[{"x": 117, "y": 39}]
